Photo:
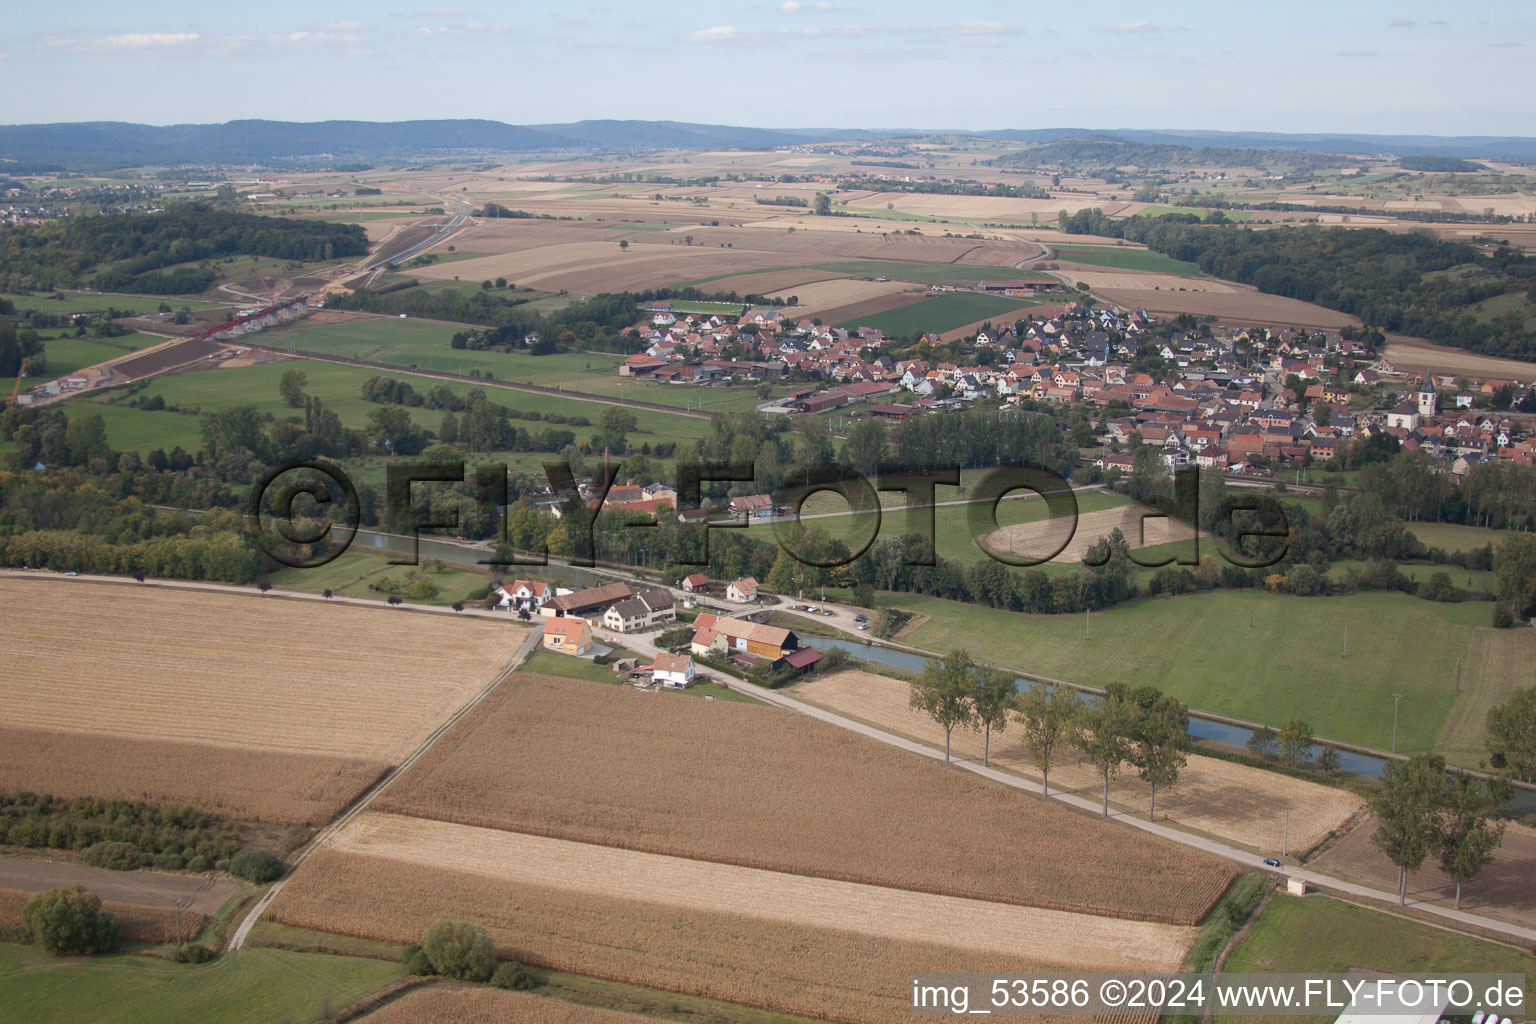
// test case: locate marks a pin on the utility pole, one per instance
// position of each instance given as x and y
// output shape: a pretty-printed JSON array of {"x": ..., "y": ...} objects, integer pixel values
[
  {"x": 1285, "y": 835},
  {"x": 1396, "y": 699},
  {"x": 1458, "y": 676},
  {"x": 1087, "y": 621},
  {"x": 1346, "y": 641}
]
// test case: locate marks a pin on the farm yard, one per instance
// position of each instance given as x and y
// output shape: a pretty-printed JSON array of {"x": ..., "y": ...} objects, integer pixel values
[
  {"x": 1232, "y": 802},
  {"x": 764, "y": 939},
  {"x": 684, "y": 779},
  {"x": 325, "y": 698}
]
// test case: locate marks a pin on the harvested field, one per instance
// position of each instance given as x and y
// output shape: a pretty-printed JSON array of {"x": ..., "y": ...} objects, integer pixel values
[
  {"x": 861, "y": 311},
  {"x": 455, "y": 1004},
  {"x": 1229, "y": 801},
  {"x": 1237, "y": 306},
  {"x": 835, "y": 292},
  {"x": 141, "y": 888},
  {"x": 251, "y": 785},
  {"x": 140, "y": 923},
  {"x": 1417, "y": 356},
  {"x": 1098, "y": 278},
  {"x": 690, "y": 926},
  {"x": 167, "y": 680},
  {"x": 1037, "y": 539},
  {"x": 791, "y": 282},
  {"x": 761, "y": 788},
  {"x": 589, "y": 267},
  {"x": 1503, "y": 891},
  {"x": 164, "y": 357}
]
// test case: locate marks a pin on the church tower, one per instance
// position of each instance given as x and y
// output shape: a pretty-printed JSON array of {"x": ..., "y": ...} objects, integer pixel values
[{"x": 1427, "y": 397}]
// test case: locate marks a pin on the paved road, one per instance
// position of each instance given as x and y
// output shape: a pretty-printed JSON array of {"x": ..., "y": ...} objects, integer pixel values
[{"x": 460, "y": 215}]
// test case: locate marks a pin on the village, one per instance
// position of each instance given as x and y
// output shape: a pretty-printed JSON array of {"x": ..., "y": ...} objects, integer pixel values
[{"x": 1236, "y": 398}]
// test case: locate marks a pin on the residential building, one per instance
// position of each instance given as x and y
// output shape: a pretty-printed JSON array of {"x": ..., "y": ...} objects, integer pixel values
[{"x": 569, "y": 635}]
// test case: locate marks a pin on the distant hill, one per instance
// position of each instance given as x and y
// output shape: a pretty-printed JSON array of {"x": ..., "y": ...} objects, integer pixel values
[{"x": 107, "y": 144}]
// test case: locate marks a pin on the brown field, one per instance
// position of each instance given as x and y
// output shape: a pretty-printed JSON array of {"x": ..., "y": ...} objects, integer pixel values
[
  {"x": 766, "y": 282},
  {"x": 981, "y": 207},
  {"x": 247, "y": 785},
  {"x": 140, "y": 923},
  {"x": 1237, "y": 306},
  {"x": 1097, "y": 278},
  {"x": 839, "y": 292},
  {"x": 1504, "y": 890},
  {"x": 455, "y": 1004},
  {"x": 322, "y": 696},
  {"x": 1229, "y": 801},
  {"x": 1417, "y": 356},
  {"x": 761, "y": 788},
  {"x": 140, "y": 888},
  {"x": 999, "y": 318},
  {"x": 755, "y": 937},
  {"x": 1037, "y": 539}
]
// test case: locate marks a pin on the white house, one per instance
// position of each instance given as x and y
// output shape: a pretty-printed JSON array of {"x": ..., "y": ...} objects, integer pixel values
[
  {"x": 523, "y": 595},
  {"x": 742, "y": 591},
  {"x": 674, "y": 671}
]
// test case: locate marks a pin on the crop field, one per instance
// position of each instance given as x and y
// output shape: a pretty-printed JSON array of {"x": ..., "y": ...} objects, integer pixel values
[
  {"x": 66, "y": 355},
  {"x": 1262, "y": 672},
  {"x": 452, "y": 1004},
  {"x": 932, "y": 273},
  {"x": 941, "y": 313},
  {"x": 1233, "y": 802},
  {"x": 688, "y": 779},
  {"x": 755, "y": 937},
  {"x": 1125, "y": 258},
  {"x": 1039, "y": 537},
  {"x": 257, "y": 987},
  {"x": 140, "y": 923},
  {"x": 1172, "y": 295},
  {"x": 342, "y": 690},
  {"x": 1418, "y": 356},
  {"x": 1503, "y": 890},
  {"x": 90, "y": 302}
]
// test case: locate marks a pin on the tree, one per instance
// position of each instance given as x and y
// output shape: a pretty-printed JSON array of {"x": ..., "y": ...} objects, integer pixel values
[
  {"x": 1102, "y": 733},
  {"x": 943, "y": 692},
  {"x": 291, "y": 387},
  {"x": 255, "y": 866},
  {"x": 614, "y": 428},
  {"x": 1296, "y": 740},
  {"x": 822, "y": 206},
  {"x": 1512, "y": 734},
  {"x": 1328, "y": 760},
  {"x": 457, "y": 606},
  {"x": 1263, "y": 742},
  {"x": 460, "y": 949},
  {"x": 1468, "y": 832},
  {"x": 70, "y": 922},
  {"x": 865, "y": 448},
  {"x": 992, "y": 697},
  {"x": 623, "y": 243},
  {"x": 1406, "y": 808},
  {"x": 1514, "y": 566},
  {"x": 1047, "y": 714},
  {"x": 1161, "y": 739}
]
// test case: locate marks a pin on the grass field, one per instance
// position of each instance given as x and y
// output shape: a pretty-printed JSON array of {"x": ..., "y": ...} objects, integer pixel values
[
  {"x": 333, "y": 693},
  {"x": 1143, "y": 260},
  {"x": 928, "y": 273},
  {"x": 1316, "y": 935},
  {"x": 1288, "y": 664},
  {"x": 351, "y": 574},
  {"x": 1456, "y": 537},
  {"x": 257, "y": 986},
  {"x": 90, "y": 302},
  {"x": 938, "y": 314},
  {"x": 1204, "y": 214},
  {"x": 66, "y": 355},
  {"x": 752, "y": 787}
]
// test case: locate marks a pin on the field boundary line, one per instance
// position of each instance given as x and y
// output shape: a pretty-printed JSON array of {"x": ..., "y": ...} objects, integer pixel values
[{"x": 320, "y": 838}]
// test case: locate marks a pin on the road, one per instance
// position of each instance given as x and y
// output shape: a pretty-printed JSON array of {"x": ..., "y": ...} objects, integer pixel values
[
  {"x": 642, "y": 645},
  {"x": 443, "y": 231}
]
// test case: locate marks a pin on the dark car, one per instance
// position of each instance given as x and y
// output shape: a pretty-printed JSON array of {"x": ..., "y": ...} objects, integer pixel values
[{"x": 1271, "y": 862}]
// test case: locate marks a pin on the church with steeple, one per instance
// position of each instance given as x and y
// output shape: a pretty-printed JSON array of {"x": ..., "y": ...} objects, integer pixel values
[{"x": 1427, "y": 397}]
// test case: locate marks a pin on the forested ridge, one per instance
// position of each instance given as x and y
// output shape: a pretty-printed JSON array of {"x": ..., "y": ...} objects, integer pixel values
[
  {"x": 127, "y": 252},
  {"x": 1412, "y": 283}
]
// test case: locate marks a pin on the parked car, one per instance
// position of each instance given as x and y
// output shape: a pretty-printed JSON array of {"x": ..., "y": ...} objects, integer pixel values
[
  {"x": 71, "y": 573},
  {"x": 829, "y": 611},
  {"x": 1271, "y": 862},
  {"x": 863, "y": 625}
]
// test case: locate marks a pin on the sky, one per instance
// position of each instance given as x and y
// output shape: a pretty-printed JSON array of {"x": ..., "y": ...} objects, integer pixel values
[{"x": 1379, "y": 67}]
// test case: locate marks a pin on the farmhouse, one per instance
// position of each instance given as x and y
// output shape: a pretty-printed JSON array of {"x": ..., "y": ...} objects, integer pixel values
[
  {"x": 523, "y": 595},
  {"x": 760, "y": 505},
  {"x": 674, "y": 671},
  {"x": 646, "y": 609},
  {"x": 738, "y": 636},
  {"x": 694, "y": 583},
  {"x": 742, "y": 591},
  {"x": 585, "y": 603},
  {"x": 569, "y": 635}
]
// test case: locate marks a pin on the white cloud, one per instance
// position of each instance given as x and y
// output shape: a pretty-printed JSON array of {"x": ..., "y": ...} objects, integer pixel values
[
  {"x": 304, "y": 38},
  {"x": 716, "y": 34},
  {"x": 820, "y": 7},
  {"x": 1402, "y": 23},
  {"x": 762, "y": 36},
  {"x": 1130, "y": 28},
  {"x": 127, "y": 42},
  {"x": 468, "y": 29},
  {"x": 974, "y": 28}
]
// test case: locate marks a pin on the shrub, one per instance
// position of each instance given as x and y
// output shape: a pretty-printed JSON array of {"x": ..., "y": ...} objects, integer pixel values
[
  {"x": 194, "y": 953},
  {"x": 460, "y": 949},
  {"x": 113, "y": 856},
  {"x": 70, "y": 921},
  {"x": 167, "y": 862},
  {"x": 415, "y": 961},
  {"x": 514, "y": 976},
  {"x": 222, "y": 864},
  {"x": 198, "y": 864},
  {"x": 255, "y": 866},
  {"x": 1503, "y": 618}
]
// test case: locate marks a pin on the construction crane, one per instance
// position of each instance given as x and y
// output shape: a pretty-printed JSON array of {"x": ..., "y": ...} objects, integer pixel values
[
  {"x": 16, "y": 391},
  {"x": 264, "y": 286}
]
